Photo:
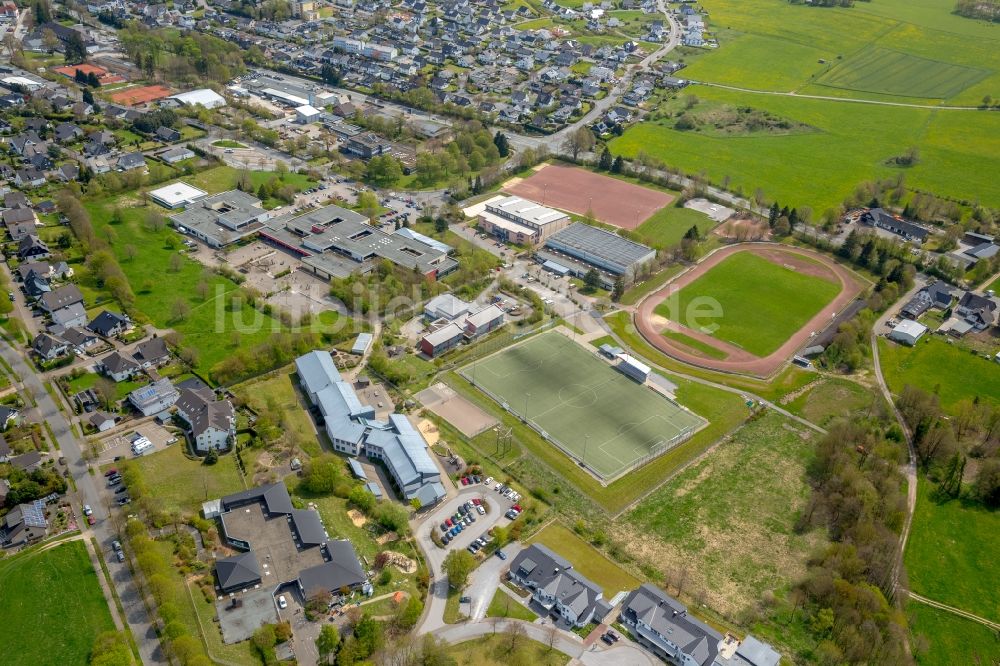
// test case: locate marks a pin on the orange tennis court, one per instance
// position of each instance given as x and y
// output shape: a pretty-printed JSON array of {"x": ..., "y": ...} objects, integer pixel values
[{"x": 140, "y": 95}]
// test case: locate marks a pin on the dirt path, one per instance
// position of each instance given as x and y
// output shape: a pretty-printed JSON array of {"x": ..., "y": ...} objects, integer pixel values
[
  {"x": 995, "y": 626},
  {"x": 740, "y": 361},
  {"x": 854, "y": 100}
]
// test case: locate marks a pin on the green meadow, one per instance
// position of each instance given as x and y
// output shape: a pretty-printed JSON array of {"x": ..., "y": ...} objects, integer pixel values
[{"x": 890, "y": 51}]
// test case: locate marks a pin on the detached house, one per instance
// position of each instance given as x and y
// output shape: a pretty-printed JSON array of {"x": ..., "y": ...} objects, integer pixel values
[
  {"x": 109, "y": 324},
  {"x": 32, "y": 247},
  {"x": 118, "y": 366},
  {"x": 211, "y": 422},
  {"x": 60, "y": 298},
  {"x": 554, "y": 584}
]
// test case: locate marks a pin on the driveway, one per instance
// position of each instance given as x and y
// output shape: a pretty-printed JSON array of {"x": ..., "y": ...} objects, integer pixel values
[{"x": 484, "y": 582}]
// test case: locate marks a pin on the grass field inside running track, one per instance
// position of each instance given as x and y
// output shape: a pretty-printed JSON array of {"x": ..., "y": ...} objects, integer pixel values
[
  {"x": 53, "y": 607},
  {"x": 762, "y": 303},
  {"x": 596, "y": 413}
]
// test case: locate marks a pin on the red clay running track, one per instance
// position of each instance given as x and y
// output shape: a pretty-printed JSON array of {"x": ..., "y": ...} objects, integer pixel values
[
  {"x": 743, "y": 362},
  {"x": 611, "y": 200}
]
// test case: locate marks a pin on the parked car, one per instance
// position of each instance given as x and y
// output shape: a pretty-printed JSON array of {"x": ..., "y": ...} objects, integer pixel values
[
  {"x": 282, "y": 602},
  {"x": 472, "y": 548},
  {"x": 502, "y": 555},
  {"x": 481, "y": 510},
  {"x": 91, "y": 520},
  {"x": 87, "y": 510},
  {"x": 116, "y": 545},
  {"x": 111, "y": 472},
  {"x": 120, "y": 555},
  {"x": 464, "y": 600},
  {"x": 122, "y": 501},
  {"x": 607, "y": 639},
  {"x": 121, "y": 490}
]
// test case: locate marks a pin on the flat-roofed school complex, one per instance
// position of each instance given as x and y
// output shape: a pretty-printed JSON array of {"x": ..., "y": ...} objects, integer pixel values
[
  {"x": 580, "y": 247},
  {"x": 221, "y": 219},
  {"x": 334, "y": 242},
  {"x": 520, "y": 221},
  {"x": 176, "y": 195}
]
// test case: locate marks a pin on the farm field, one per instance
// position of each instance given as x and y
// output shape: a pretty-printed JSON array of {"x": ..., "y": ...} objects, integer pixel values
[
  {"x": 179, "y": 483},
  {"x": 590, "y": 562},
  {"x": 958, "y": 149},
  {"x": 727, "y": 524},
  {"x": 950, "y": 555},
  {"x": 879, "y": 70},
  {"x": 208, "y": 327},
  {"x": 955, "y": 374},
  {"x": 951, "y": 639},
  {"x": 602, "y": 417},
  {"x": 41, "y": 591},
  {"x": 762, "y": 303}
]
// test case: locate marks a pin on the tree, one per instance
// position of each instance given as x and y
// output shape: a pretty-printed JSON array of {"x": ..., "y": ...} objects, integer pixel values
[
  {"x": 692, "y": 233},
  {"x": 75, "y": 51},
  {"x": 105, "y": 388},
  {"x": 180, "y": 310},
  {"x": 516, "y": 636},
  {"x": 383, "y": 170},
  {"x": 619, "y": 289},
  {"x": 592, "y": 280},
  {"x": 773, "y": 214},
  {"x": 440, "y": 225},
  {"x": 606, "y": 160},
  {"x": 327, "y": 642},
  {"x": 580, "y": 141},
  {"x": 502, "y": 144},
  {"x": 50, "y": 42},
  {"x": 458, "y": 565},
  {"x": 131, "y": 252},
  {"x": 618, "y": 166},
  {"x": 987, "y": 485}
]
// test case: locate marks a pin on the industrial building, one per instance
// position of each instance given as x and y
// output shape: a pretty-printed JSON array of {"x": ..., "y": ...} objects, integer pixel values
[
  {"x": 517, "y": 220},
  {"x": 203, "y": 96},
  {"x": 354, "y": 430},
  {"x": 580, "y": 247},
  {"x": 221, "y": 219},
  {"x": 907, "y": 331},
  {"x": 334, "y": 242}
]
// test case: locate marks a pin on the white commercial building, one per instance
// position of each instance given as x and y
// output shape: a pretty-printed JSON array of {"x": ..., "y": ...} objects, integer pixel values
[
  {"x": 176, "y": 195},
  {"x": 907, "y": 332},
  {"x": 307, "y": 114},
  {"x": 204, "y": 96}
]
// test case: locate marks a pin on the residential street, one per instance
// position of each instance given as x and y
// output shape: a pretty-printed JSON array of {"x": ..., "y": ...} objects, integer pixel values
[{"x": 88, "y": 492}]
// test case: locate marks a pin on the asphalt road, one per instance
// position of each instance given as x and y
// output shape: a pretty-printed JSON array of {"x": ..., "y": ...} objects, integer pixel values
[{"x": 88, "y": 492}]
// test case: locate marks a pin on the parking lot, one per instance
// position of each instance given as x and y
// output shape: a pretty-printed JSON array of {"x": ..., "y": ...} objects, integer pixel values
[{"x": 118, "y": 444}]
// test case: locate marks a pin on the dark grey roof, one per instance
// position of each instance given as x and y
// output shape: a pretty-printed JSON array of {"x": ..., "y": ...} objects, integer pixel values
[
  {"x": 602, "y": 248},
  {"x": 274, "y": 496},
  {"x": 61, "y": 297},
  {"x": 106, "y": 322},
  {"x": 309, "y": 527},
  {"x": 237, "y": 571},
  {"x": 669, "y": 618},
  {"x": 151, "y": 350},
  {"x": 343, "y": 570}
]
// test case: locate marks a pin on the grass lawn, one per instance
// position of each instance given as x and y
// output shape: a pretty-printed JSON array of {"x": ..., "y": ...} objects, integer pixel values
[
  {"x": 649, "y": 285},
  {"x": 951, "y": 554},
  {"x": 586, "y": 559},
  {"x": 832, "y": 398},
  {"x": 122, "y": 389},
  {"x": 951, "y": 639},
  {"x": 179, "y": 483},
  {"x": 994, "y": 286},
  {"x": 668, "y": 225},
  {"x": 228, "y": 143},
  {"x": 495, "y": 651},
  {"x": 503, "y": 605},
  {"x": 952, "y": 372},
  {"x": 762, "y": 303},
  {"x": 696, "y": 345},
  {"x": 53, "y": 607},
  {"x": 878, "y": 70},
  {"x": 276, "y": 396},
  {"x": 210, "y": 325},
  {"x": 222, "y": 178}
]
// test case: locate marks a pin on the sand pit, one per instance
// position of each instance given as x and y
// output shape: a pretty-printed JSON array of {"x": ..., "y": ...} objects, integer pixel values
[
  {"x": 577, "y": 190},
  {"x": 429, "y": 431},
  {"x": 357, "y": 518},
  {"x": 401, "y": 562}
]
